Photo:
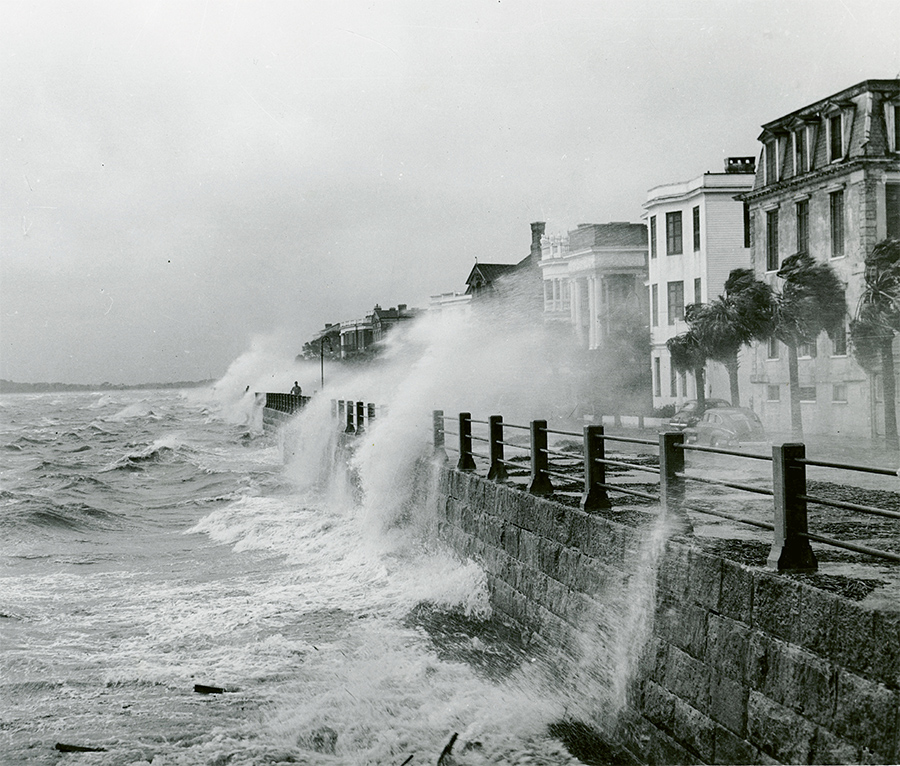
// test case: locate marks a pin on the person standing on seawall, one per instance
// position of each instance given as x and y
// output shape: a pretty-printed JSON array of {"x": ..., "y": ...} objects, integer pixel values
[{"x": 296, "y": 390}]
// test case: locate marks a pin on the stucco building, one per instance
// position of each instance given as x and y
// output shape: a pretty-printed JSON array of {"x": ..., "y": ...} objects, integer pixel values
[
  {"x": 828, "y": 183},
  {"x": 696, "y": 235}
]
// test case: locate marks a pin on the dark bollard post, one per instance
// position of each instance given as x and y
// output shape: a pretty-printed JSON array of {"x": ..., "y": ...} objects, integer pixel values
[
  {"x": 466, "y": 461},
  {"x": 540, "y": 480},
  {"x": 360, "y": 417},
  {"x": 340, "y": 411},
  {"x": 370, "y": 408},
  {"x": 349, "y": 429},
  {"x": 790, "y": 552},
  {"x": 671, "y": 484},
  {"x": 497, "y": 471},
  {"x": 438, "y": 426},
  {"x": 595, "y": 496}
]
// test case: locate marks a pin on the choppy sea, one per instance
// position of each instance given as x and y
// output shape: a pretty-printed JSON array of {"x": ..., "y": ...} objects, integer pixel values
[{"x": 151, "y": 542}]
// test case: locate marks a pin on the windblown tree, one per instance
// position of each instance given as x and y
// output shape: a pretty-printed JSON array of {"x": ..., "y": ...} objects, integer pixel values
[
  {"x": 811, "y": 301},
  {"x": 877, "y": 321},
  {"x": 688, "y": 354},
  {"x": 737, "y": 318}
]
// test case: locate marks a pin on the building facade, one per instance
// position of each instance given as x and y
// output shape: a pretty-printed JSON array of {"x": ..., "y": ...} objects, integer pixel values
[
  {"x": 696, "y": 236},
  {"x": 592, "y": 275},
  {"x": 828, "y": 184}
]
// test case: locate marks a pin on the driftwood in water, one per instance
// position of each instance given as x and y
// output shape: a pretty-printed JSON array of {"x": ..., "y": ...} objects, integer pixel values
[
  {"x": 202, "y": 689},
  {"x": 448, "y": 749},
  {"x": 63, "y": 748}
]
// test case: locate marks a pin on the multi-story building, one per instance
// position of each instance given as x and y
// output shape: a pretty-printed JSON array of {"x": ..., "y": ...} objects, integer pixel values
[
  {"x": 828, "y": 184},
  {"x": 592, "y": 275},
  {"x": 696, "y": 234}
]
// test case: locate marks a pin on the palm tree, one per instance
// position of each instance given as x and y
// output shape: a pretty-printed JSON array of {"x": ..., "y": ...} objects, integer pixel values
[
  {"x": 737, "y": 318},
  {"x": 688, "y": 354},
  {"x": 811, "y": 301},
  {"x": 877, "y": 321}
]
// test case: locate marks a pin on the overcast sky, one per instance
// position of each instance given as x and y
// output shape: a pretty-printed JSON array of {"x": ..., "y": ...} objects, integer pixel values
[{"x": 180, "y": 177}]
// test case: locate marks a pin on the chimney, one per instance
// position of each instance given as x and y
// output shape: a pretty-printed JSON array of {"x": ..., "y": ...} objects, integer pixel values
[
  {"x": 401, "y": 307},
  {"x": 740, "y": 165},
  {"x": 537, "y": 231}
]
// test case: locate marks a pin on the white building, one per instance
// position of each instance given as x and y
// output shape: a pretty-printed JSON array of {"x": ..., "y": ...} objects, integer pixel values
[
  {"x": 697, "y": 236},
  {"x": 592, "y": 274}
]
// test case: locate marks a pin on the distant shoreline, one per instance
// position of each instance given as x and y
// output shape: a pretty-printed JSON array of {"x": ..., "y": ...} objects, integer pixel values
[{"x": 10, "y": 387}]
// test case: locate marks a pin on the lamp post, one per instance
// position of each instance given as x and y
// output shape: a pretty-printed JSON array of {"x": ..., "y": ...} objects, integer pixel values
[{"x": 322, "y": 341}]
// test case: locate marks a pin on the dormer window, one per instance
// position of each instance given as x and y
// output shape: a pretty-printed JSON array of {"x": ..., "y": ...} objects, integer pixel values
[
  {"x": 835, "y": 138},
  {"x": 771, "y": 161},
  {"x": 892, "y": 122},
  {"x": 801, "y": 154}
]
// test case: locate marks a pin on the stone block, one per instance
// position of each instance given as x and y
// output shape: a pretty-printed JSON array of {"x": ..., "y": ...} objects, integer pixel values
[
  {"x": 727, "y": 646},
  {"x": 779, "y": 732},
  {"x": 829, "y": 749},
  {"x": 555, "y": 521},
  {"x": 816, "y": 629},
  {"x": 509, "y": 539},
  {"x": 800, "y": 681},
  {"x": 548, "y": 557},
  {"x": 853, "y": 646},
  {"x": 736, "y": 595},
  {"x": 528, "y": 549},
  {"x": 704, "y": 578},
  {"x": 580, "y": 530},
  {"x": 776, "y": 606},
  {"x": 693, "y": 731},
  {"x": 732, "y": 749},
  {"x": 684, "y": 625},
  {"x": 664, "y": 749},
  {"x": 657, "y": 704},
  {"x": 673, "y": 570},
  {"x": 688, "y": 679},
  {"x": 886, "y": 657},
  {"x": 867, "y": 714},
  {"x": 728, "y": 702},
  {"x": 569, "y": 562}
]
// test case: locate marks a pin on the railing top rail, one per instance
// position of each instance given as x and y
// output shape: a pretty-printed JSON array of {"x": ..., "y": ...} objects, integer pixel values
[
  {"x": 513, "y": 425},
  {"x": 565, "y": 433},
  {"x": 630, "y": 440},
  {"x": 850, "y": 467},
  {"x": 720, "y": 451}
]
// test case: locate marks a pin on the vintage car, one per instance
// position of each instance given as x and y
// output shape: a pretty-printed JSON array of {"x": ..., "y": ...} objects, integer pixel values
[
  {"x": 689, "y": 413},
  {"x": 726, "y": 427}
]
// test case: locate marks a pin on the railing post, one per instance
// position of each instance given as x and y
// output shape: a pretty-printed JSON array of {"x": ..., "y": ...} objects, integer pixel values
[
  {"x": 790, "y": 552},
  {"x": 370, "y": 412},
  {"x": 340, "y": 411},
  {"x": 497, "y": 470},
  {"x": 437, "y": 420},
  {"x": 349, "y": 429},
  {"x": 671, "y": 483},
  {"x": 360, "y": 417},
  {"x": 334, "y": 408},
  {"x": 595, "y": 496},
  {"x": 466, "y": 461},
  {"x": 540, "y": 481}
]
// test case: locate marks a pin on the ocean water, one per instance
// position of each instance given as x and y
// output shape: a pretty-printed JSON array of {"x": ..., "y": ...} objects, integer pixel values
[{"x": 152, "y": 541}]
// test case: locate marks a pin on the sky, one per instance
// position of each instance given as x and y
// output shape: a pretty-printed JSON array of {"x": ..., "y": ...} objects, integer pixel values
[{"x": 180, "y": 179}]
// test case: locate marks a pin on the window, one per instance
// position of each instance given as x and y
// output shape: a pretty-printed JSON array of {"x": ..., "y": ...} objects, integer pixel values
[
  {"x": 673, "y": 380},
  {"x": 803, "y": 226},
  {"x": 653, "y": 236},
  {"x": 807, "y": 393},
  {"x": 800, "y": 157},
  {"x": 657, "y": 386},
  {"x": 748, "y": 230},
  {"x": 836, "y": 200},
  {"x": 772, "y": 240},
  {"x": 698, "y": 291},
  {"x": 835, "y": 138},
  {"x": 772, "y": 348},
  {"x": 771, "y": 156},
  {"x": 676, "y": 302},
  {"x": 839, "y": 342},
  {"x": 673, "y": 233},
  {"x": 839, "y": 392},
  {"x": 682, "y": 379},
  {"x": 654, "y": 305},
  {"x": 807, "y": 350},
  {"x": 548, "y": 294},
  {"x": 773, "y": 393},
  {"x": 892, "y": 210},
  {"x": 696, "y": 222}
]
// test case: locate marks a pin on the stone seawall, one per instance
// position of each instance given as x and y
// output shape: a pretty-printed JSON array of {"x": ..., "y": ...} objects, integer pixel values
[{"x": 677, "y": 655}]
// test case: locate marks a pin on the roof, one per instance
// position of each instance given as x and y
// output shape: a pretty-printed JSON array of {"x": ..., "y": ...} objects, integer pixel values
[{"x": 616, "y": 234}]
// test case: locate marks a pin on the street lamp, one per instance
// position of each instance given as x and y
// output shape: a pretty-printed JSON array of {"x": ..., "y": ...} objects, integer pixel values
[{"x": 322, "y": 341}]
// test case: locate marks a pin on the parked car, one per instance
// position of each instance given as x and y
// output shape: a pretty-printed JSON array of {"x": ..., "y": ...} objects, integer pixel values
[
  {"x": 726, "y": 427},
  {"x": 689, "y": 413}
]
